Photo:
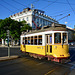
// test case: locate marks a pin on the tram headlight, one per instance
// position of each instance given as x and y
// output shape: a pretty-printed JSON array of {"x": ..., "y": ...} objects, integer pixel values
[
  {"x": 55, "y": 55},
  {"x": 55, "y": 46}
]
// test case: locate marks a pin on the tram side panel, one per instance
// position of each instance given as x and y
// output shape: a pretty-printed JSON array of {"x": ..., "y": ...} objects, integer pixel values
[
  {"x": 36, "y": 49},
  {"x": 40, "y": 50}
]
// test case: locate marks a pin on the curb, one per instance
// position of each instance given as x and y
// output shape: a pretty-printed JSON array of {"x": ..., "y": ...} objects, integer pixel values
[
  {"x": 10, "y": 46},
  {"x": 8, "y": 58}
]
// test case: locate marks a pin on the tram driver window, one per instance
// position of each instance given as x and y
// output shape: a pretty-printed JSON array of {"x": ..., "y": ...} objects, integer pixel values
[
  {"x": 57, "y": 37},
  {"x": 64, "y": 37}
]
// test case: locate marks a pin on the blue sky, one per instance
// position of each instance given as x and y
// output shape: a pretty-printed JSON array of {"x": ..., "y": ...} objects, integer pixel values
[{"x": 55, "y": 8}]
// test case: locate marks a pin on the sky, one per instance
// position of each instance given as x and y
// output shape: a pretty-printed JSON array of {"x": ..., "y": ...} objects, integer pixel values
[{"x": 57, "y": 9}]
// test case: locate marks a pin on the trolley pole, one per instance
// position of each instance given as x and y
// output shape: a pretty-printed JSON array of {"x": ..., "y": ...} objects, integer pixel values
[{"x": 8, "y": 44}]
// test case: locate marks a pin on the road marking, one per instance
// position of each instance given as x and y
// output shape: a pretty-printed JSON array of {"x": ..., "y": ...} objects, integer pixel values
[
  {"x": 67, "y": 73},
  {"x": 51, "y": 71},
  {"x": 4, "y": 65},
  {"x": 40, "y": 63},
  {"x": 72, "y": 56},
  {"x": 71, "y": 47},
  {"x": 73, "y": 66}
]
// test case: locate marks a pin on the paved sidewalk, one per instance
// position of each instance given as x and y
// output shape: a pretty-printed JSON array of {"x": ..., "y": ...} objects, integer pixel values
[
  {"x": 8, "y": 58},
  {"x": 72, "y": 68},
  {"x": 72, "y": 72},
  {"x": 10, "y": 46}
]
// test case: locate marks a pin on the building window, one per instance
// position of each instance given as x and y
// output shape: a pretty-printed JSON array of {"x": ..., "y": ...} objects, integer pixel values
[
  {"x": 57, "y": 37},
  {"x": 43, "y": 22},
  {"x": 19, "y": 19},
  {"x": 27, "y": 18},
  {"x": 38, "y": 20},
  {"x": 23, "y": 19}
]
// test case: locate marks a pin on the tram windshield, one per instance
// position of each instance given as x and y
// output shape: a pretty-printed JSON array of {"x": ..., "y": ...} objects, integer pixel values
[{"x": 64, "y": 38}]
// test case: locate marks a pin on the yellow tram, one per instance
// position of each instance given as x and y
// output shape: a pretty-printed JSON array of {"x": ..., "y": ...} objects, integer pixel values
[{"x": 51, "y": 43}]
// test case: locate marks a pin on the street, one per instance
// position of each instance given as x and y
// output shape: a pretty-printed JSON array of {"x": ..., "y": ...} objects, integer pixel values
[
  {"x": 13, "y": 51},
  {"x": 26, "y": 65}
]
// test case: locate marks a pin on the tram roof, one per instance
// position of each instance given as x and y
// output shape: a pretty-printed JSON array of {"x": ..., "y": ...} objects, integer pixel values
[{"x": 48, "y": 29}]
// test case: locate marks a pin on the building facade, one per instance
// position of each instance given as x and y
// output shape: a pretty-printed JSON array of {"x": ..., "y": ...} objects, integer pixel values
[
  {"x": 34, "y": 17},
  {"x": 71, "y": 34}
]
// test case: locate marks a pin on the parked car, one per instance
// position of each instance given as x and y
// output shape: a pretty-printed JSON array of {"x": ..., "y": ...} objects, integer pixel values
[
  {"x": 72, "y": 43},
  {"x": 0, "y": 41}
]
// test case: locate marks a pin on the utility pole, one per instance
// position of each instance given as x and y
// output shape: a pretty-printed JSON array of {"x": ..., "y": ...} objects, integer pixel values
[
  {"x": 8, "y": 43},
  {"x": 32, "y": 6}
]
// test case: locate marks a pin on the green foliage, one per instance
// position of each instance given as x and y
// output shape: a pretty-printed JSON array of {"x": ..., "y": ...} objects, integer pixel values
[{"x": 15, "y": 28}]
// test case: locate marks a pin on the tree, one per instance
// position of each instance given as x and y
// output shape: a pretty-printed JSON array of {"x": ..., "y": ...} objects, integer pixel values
[
  {"x": 25, "y": 26},
  {"x": 0, "y": 28},
  {"x": 4, "y": 26},
  {"x": 15, "y": 28}
]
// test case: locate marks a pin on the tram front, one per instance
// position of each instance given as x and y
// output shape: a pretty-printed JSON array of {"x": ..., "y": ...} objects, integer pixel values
[{"x": 58, "y": 49}]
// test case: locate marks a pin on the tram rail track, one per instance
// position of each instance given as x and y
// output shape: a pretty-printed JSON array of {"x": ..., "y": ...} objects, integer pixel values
[{"x": 28, "y": 60}]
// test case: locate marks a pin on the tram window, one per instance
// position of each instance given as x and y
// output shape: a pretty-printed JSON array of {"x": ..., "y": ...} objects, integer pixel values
[
  {"x": 47, "y": 48},
  {"x": 32, "y": 40},
  {"x": 57, "y": 37},
  {"x": 25, "y": 40},
  {"x": 40, "y": 40},
  {"x": 50, "y": 37},
  {"x": 29, "y": 40},
  {"x": 35, "y": 40},
  {"x": 50, "y": 49},
  {"x": 47, "y": 38},
  {"x": 64, "y": 37}
]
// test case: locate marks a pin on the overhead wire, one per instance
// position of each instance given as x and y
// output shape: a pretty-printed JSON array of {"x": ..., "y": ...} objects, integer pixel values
[
  {"x": 57, "y": 2},
  {"x": 19, "y": 3},
  {"x": 12, "y": 5},
  {"x": 35, "y": 1},
  {"x": 62, "y": 13},
  {"x": 9, "y": 4},
  {"x": 70, "y": 6},
  {"x": 6, "y": 8},
  {"x": 50, "y": 4}
]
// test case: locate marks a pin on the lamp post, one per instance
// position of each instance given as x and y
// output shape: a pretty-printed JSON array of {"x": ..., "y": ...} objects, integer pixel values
[{"x": 8, "y": 43}]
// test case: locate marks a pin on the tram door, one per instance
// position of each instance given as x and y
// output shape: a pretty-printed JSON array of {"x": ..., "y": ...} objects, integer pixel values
[{"x": 49, "y": 44}]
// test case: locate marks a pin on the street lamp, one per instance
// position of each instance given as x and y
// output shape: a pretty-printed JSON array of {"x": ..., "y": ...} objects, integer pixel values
[{"x": 8, "y": 43}]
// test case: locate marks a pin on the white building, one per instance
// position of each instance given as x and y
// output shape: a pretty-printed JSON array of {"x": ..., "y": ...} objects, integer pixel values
[{"x": 34, "y": 17}]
